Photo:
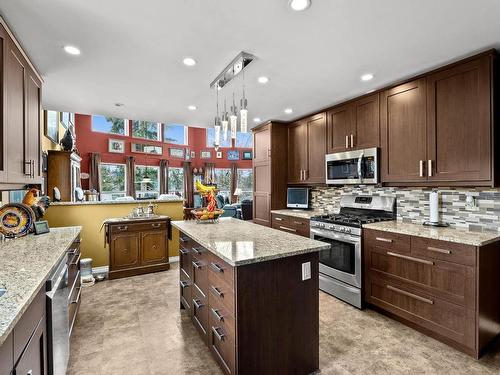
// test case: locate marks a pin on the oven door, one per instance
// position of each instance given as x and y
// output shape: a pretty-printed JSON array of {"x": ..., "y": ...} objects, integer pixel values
[{"x": 342, "y": 260}]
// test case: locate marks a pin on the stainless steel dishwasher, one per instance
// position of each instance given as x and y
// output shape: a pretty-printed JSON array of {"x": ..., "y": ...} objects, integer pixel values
[{"x": 57, "y": 320}]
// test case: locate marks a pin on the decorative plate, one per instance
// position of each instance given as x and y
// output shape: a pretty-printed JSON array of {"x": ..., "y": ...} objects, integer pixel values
[{"x": 16, "y": 219}]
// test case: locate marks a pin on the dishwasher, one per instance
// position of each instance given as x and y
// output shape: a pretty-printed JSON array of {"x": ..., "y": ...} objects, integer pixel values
[{"x": 57, "y": 320}]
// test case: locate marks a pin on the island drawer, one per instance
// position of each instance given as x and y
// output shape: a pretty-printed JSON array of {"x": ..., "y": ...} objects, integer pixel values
[
  {"x": 186, "y": 286},
  {"x": 221, "y": 292},
  {"x": 443, "y": 250},
  {"x": 221, "y": 314},
  {"x": 138, "y": 227},
  {"x": 386, "y": 240},
  {"x": 185, "y": 259},
  {"x": 219, "y": 269},
  {"x": 199, "y": 313},
  {"x": 222, "y": 345},
  {"x": 200, "y": 273}
]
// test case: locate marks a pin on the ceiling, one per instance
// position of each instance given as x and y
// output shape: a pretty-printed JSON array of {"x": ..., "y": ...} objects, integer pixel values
[{"x": 132, "y": 51}]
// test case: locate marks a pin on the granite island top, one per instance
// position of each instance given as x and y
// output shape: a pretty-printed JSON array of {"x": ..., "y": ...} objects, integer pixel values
[
  {"x": 25, "y": 264},
  {"x": 240, "y": 242},
  {"x": 451, "y": 234},
  {"x": 303, "y": 214}
]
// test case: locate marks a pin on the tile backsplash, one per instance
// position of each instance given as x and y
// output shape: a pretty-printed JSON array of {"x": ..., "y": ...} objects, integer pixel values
[{"x": 413, "y": 204}]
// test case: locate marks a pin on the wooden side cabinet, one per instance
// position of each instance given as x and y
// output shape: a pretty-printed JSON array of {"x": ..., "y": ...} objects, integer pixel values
[{"x": 137, "y": 246}]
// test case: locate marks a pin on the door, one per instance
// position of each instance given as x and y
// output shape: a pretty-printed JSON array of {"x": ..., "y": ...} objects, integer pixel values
[
  {"x": 403, "y": 132},
  {"x": 297, "y": 152},
  {"x": 262, "y": 192},
  {"x": 341, "y": 124},
  {"x": 367, "y": 112},
  {"x": 32, "y": 140},
  {"x": 459, "y": 122},
  {"x": 153, "y": 247},
  {"x": 124, "y": 251},
  {"x": 316, "y": 149}
]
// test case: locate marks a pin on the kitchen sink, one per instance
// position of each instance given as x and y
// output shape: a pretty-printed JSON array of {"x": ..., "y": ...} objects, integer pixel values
[{"x": 2, "y": 291}]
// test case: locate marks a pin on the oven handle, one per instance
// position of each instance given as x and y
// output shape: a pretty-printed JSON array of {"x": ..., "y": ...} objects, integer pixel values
[{"x": 334, "y": 236}]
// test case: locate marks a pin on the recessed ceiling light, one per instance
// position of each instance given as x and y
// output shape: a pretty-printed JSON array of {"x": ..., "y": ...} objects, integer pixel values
[
  {"x": 189, "y": 61},
  {"x": 288, "y": 111},
  {"x": 119, "y": 104},
  {"x": 299, "y": 5},
  {"x": 263, "y": 80},
  {"x": 192, "y": 107},
  {"x": 256, "y": 119},
  {"x": 72, "y": 50},
  {"x": 367, "y": 77}
]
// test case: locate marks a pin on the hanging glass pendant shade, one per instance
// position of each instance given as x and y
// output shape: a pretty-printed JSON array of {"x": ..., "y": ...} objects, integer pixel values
[
  {"x": 225, "y": 122},
  {"x": 243, "y": 110},
  {"x": 233, "y": 119}
]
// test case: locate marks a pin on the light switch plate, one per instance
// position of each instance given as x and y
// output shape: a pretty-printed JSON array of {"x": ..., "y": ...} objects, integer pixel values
[{"x": 306, "y": 271}]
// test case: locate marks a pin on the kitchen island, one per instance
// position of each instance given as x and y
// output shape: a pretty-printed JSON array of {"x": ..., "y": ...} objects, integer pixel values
[{"x": 252, "y": 294}]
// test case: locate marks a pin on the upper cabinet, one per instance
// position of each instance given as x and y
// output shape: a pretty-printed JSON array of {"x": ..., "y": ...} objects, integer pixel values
[
  {"x": 307, "y": 150},
  {"x": 355, "y": 125}
]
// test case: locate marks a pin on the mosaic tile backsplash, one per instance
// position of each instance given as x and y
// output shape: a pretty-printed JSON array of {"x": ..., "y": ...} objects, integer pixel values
[{"x": 413, "y": 204}]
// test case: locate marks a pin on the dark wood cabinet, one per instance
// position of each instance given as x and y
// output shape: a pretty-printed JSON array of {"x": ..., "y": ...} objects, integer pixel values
[
  {"x": 137, "y": 246},
  {"x": 341, "y": 124},
  {"x": 297, "y": 152},
  {"x": 33, "y": 360},
  {"x": 291, "y": 224},
  {"x": 269, "y": 170},
  {"x": 441, "y": 288}
]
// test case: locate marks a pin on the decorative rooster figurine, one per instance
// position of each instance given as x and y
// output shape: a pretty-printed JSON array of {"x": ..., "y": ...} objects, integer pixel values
[{"x": 38, "y": 204}]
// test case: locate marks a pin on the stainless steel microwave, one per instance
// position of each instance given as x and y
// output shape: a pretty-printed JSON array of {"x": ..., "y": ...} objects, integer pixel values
[{"x": 352, "y": 167}]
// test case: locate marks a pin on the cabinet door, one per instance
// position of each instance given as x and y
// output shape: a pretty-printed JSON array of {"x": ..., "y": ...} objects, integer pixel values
[
  {"x": 367, "y": 133},
  {"x": 341, "y": 124},
  {"x": 403, "y": 132},
  {"x": 32, "y": 139},
  {"x": 33, "y": 361},
  {"x": 459, "y": 122},
  {"x": 153, "y": 247},
  {"x": 316, "y": 149},
  {"x": 262, "y": 144},
  {"x": 297, "y": 152},
  {"x": 262, "y": 192},
  {"x": 124, "y": 251},
  {"x": 3, "y": 127}
]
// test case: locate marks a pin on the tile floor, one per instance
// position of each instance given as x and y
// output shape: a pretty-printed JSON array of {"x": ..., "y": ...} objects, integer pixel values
[{"x": 134, "y": 326}]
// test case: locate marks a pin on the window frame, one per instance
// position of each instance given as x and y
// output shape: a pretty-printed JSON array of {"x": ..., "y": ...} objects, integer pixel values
[
  {"x": 126, "y": 125},
  {"x": 146, "y": 191},
  {"x": 159, "y": 129},
  {"x": 230, "y": 177},
  {"x": 125, "y": 180},
  {"x": 183, "y": 180},
  {"x": 186, "y": 134},
  {"x": 237, "y": 185}
]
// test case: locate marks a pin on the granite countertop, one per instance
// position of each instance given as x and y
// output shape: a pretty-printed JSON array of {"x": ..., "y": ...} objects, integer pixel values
[
  {"x": 25, "y": 264},
  {"x": 240, "y": 242},
  {"x": 124, "y": 219},
  {"x": 303, "y": 214},
  {"x": 451, "y": 234},
  {"x": 138, "y": 202}
]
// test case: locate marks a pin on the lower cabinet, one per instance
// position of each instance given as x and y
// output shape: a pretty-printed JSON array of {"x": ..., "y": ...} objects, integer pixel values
[
  {"x": 137, "y": 246},
  {"x": 439, "y": 287},
  {"x": 290, "y": 224}
]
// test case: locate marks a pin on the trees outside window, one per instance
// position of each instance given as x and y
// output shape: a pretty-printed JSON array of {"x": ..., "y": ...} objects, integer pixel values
[
  {"x": 223, "y": 181},
  {"x": 147, "y": 182},
  {"x": 176, "y": 181},
  {"x": 245, "y": 183},
  {"x": 113, "y": 181},
  {"x": 111, "y": 125},
  {"x": 146, "y": 130}
]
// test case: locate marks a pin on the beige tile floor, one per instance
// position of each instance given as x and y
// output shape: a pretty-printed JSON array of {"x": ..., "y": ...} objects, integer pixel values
[{"x": 134, "y": 326}]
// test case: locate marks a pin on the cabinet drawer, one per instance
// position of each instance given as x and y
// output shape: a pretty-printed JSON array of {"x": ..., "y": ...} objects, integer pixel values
[
  {"x": 74, "y": 300},
  {"x": 200, "y": 274},
  {"x": 220, "y": 291},
  {"x": 200, "y": 312},
  {"x": 73, "y": 268},
  {"x": 185, "y": 260},
  {"x": 222, "y": 345},
  {"x": 280, "y": 221},
  {"x": 32, "y": 361},
  {"x": 186, "y": 286},
  {"x": 447, "y": 319},
  {"x": 6, "y": 360},
  {"x": 220, "y": 270},
  {"x": 119, "y": 228},
  {"x": 450, "y": 281},
  {"x": 448, "y": 251},
  {"x": 220, "y": 314},
  {"x": 386, "y": 240},
  {"x": 301, "y": 226}
]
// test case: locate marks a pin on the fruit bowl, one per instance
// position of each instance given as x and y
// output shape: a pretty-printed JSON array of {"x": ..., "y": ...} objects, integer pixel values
[{"x": 202, "y": 215}]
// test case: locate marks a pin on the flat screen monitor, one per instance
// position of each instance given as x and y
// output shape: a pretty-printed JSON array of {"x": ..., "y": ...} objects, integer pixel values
[{"x": 297, "y": 197}]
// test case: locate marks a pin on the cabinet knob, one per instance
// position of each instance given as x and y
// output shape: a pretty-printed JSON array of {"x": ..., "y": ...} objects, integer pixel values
[
  {"x": 124, "y": 227},
  {"x": 156, "y": 225}
]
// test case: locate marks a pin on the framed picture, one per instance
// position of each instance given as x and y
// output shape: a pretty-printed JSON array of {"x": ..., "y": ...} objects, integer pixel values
[
  {"x": 218, "y": 154},
  {"x": 205, "y": 154},
  {"x": 187, "y": 155},
  {"x": 65, "y": 119},
  {"x": 176, "y": 152},
  {"x": 52, "y": 126},
  {"x": 116, "y": 145},
  {"x": 146, "y": 149},
  {"x": 233, "y": 155},
  {"x": 193, "y": 154},
  {"x": 246, "y": 155}
]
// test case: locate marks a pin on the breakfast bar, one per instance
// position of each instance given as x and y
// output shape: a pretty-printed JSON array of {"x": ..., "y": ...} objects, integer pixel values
[{"x": 252, "y": 294}]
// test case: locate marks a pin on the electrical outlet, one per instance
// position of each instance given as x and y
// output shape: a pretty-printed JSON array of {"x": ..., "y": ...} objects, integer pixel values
[{"x": 306, "y": 271}]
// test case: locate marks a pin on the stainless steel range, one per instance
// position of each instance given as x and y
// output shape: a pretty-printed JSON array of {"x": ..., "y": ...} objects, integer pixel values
[{"x": 340, "y": 266}]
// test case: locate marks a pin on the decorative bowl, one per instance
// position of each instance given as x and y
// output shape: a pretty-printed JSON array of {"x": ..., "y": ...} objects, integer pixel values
[{"x": 202, "y": 215}]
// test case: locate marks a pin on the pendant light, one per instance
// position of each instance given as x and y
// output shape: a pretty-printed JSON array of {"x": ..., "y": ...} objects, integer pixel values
[
  {"x": 217, "y": 124},
  {"x": 233, "y": 120},
  {"x": 225, "y": 122},
  {"x": 243, "y": 110}
]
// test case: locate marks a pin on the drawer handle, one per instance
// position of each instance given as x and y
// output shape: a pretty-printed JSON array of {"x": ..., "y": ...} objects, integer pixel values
[
  {"x": 218, "y": 316},
  {"x": 217, "y": 291},
  {"x": 75, "y": 263},
  {"x": 438, "y": 250},
  {"x": 278, "y": 219},
  {"x": 183, "y": 251},
  {"x": 197, "y": 264},
  {"x": 197, "y": 250},
  {"x": 299, "y": 222},
  {"x": 183, "y": 239},
  {"x": 197, "y": 303},
  {"x": 411, "y": 295},
  {"x": 74, "y": 251},
  {"x": 125, "y": 227},
  {"x": 411, "y": 258},
  {"x": 217, "y": 268},
  {"x": 381, "y": 239},
  {"x": 156, "y": 225},
  {"x": 288, "y": 229},
  {"x": 220, "y": 336},
  {"x": 77, "y": 296},
  {"x": 183, "y": 284}
]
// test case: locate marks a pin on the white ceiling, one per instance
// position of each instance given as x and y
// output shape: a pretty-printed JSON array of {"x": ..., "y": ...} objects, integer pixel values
[{"x": 132, "y": 50}]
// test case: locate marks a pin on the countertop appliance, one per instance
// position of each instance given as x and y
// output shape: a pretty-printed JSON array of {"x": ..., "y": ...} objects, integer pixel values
[
  {"x": 57, "y": 320},
  {"x": 352, "y": 167},
  {"x": 297, "y": 197},
  {"x": 340, "y": 266}
]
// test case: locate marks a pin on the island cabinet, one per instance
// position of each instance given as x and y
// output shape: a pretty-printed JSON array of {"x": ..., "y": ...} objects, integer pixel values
[
  {"x": 258, "y": 318},
  {"x": 438, "y": 287}
]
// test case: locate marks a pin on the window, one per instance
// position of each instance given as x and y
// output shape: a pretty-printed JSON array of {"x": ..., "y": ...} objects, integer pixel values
[
  {"x": 211, "y": 138},
  {"x": 244, "y": 140},
  {"x": 146, "y": 130},
  {"x": 111, "y": 125},
  {"x": 245, "y": 183},
  {"x": 147, "y": 182},
  {"x": 176, "y": 181},
  {"x": 223, "y": 181},
  {"x": 177, "y": 134},
  {"x": 112, "y": 181}
]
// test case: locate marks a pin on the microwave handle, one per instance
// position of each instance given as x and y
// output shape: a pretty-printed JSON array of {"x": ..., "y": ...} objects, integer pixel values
[{"x": 360, "y": 160}]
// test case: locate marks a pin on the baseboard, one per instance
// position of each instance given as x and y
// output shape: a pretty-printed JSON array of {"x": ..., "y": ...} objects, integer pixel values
[
  {"x": 173, "y": 259},
  {"x": 100, "y": 270}
]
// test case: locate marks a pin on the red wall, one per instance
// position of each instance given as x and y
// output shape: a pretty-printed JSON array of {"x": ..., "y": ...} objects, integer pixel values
[{"x": 88, "y": 141}]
